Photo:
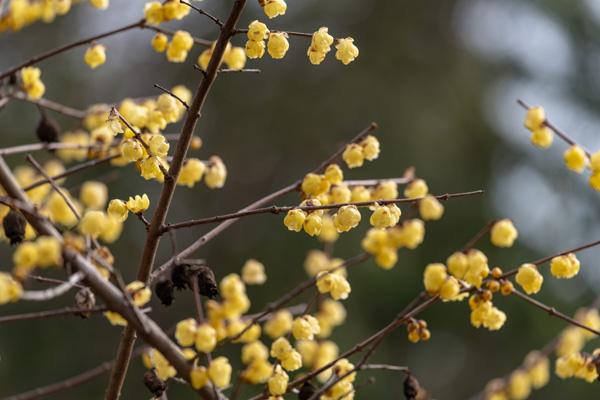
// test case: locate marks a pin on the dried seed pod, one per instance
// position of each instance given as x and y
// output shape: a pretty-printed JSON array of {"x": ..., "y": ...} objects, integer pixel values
[
  {"x": 307, "y": 391},
  {"x": 164, "y": 291},
  {"x": 179, "y": 276},
  {"x": 14, "y": 224},
  {"x": 85, "y": 300},
  {"x": 155, "y": 385},
  {"x": 411, "y": 387},
  {"x": 207, "y": 284},
  {"x": 48, "y": 130}
]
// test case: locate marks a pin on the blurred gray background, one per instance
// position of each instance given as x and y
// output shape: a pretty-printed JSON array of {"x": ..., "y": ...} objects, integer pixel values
[{"x": 441, "y": 79}]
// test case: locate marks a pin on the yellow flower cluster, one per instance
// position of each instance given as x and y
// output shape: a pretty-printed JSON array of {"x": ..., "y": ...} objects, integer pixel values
[
  {"x": 484, "y": 313},
  {"x": 255, "y": 357},
  {"x": 10, "y": 289},
  {"x": 234, "y": 57},
  {"x": 385, "y": 216},
  {"x": 31, "y": 82},
  {"x": 156, "y": 12},
  {"x": 95, "y": 56},
  {"x": 344, "y": 388},
  {"x": 289, "y": 358},
  {"x": 140, "y": 296},
  {"x": 44, "y": 252},
  {"x": 218, "y": 372},
  {"x": 437, "y": 281},
  {"x": 278, "y": 382},
  {"x": 189, "y": 333},
  {"x": 305, "y": 327},
  {"x": 573, "y": 338},
  {"x": 535, "y": 121},
  {"x": 21, "y": 13},
  {"x": 179, "y": 46},
  {"x": 417, "y": 331},
  {"x": 334, "y": 283},
  {"x": 356, "y": 153},
  {"x": 257, "y": 34},
  {"x": 320, "y": 45},
  {"x": 578, "y": 365},
  {"x": 534, "y": 373},
  {"x": 471, "y": 267},
  {"x": 279, "y": 324}
]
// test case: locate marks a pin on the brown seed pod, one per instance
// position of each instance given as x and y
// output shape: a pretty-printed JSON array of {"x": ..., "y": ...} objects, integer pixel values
[
  {"x": 164, "y": 291},
  {"x": 411, "y": 387},
  {"x": 85, "y": 300},
  {"x": 155, "y": 385},
  {"x": 307, "y": 391},
  {"x": 14, "y": 224},
  {"x": 179, "y": 276},
  {"x": 207, "y": 284},
  {"x": 48, "y": 130}
]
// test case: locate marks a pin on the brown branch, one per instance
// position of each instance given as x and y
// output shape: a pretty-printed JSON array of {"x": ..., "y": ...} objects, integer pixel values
[
  {"x": 282, "y": 209},
  {"x": 69, "y": 46},
  {"x": 554, "y": 312},
  {"x": 112, "y": 297},
  {"x": 51, "y": 105},
  {"x": 250, "y": 70},
  {"x": 49, "y": 314},
  {"x": 27, "y": 148},
  {"x": 202, "y": 12},
  {"x": 169, "y": 186},
  {"x": 54, "y": 185},
  {"x": 70, "y": 171},
  {"x": 478, "y": 236},
  {"x": 548, "y": 258}
]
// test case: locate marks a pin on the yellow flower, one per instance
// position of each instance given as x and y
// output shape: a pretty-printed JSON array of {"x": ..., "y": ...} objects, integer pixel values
[
  {"x": 10, "y": 289},
  {"x": 93, "y": 194},
  {"x": 216, "y": 173},
  {"x": 150, "y": 168},
  {"x": 385, "y": 216},
  {"x": 49, "y": 251},
  {"x": 278, "y": 382},
  {"x": 416, "y": 189},
  {"x": 430, "y": 208},
  {"x": 281, "y": 348},
  {"x": 370, "y": 146},
  {"x": 346, "y": 51},
  {"x": 305, "y": 327},
  {"x": 159, "y": 42},
  {"x": 206, "y": 338},
  {"x": 185, "y": 332},
  {"x": 340, "y": 194},
  {"x": 535, "y": 118},
  {"x": 139, "y": 293},
  {"x": 346, "y": 218},
  {"x": 154, "y": 14},
  {"x": 575, "y": 159},
  {"x": 95, "y": 55},
  {"x": 235, "y": 58},
  {"x": 519, "y": 385},
  {"x": 333, "y": 283},
  {"x": 386, "y": 258},
  {"x": 278, "y": 45},
  {"x": 503, "y": 233},
  {"x": 434, "y": 277},
  {"x": 253, "y": 273},
  {"x": 566, "y": 266},
  {"x": 328, "y": 232},
  {"x": 294, "y": 220},
  {"x": 254, "y": 351},
  {"x": 542, "y": 137},
  {"x": 198, "y": 377},
  {"x": 385, "y": 190},
  {"x": 93, "y": 223},
  {"x": 334, "y": 174},
  {"x": 273, "y": 8},
  {"x": 113, "y": 230},
  {"x": 292, "y": 362},
  {"x": 529, "y": 278},
  {"x": 458, "y": 264},
  {"x": 138, "y": 203},
  {"x": 321, "y": 41},
  {"x": 353, "y": 155},
  {"x": 31, "y": 82},
  {"x": 191, "y": 172},
  {"x": 99, "y": 4},
  {"x": 80, "y": 138},
  {"x": 173, "y": 9},
  {"x": 279, "y": 324},
  {"x": 59, "y": 211},
  {"x": 118, "y": 209},
  {"x": 257, "y": 31},
  {"x": 131, "y": 150},
  {"x": 255, "y": 49},
  {"x": 219, "y": 372}
]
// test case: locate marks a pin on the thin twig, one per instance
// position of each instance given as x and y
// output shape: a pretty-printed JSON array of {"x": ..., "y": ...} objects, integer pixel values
[
  {"x": 53, "y": 292},
  {"x": 282, "y": 209},
  {"x": 170, "y": 93},
  {"x": 206, "y": 14},
  {"x": 51, "y": 105},
  {"x": 478, "y": 236}
]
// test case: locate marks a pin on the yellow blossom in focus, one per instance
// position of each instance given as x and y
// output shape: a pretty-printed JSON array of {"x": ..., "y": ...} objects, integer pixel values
[
  {"x": 138, "y": 204},
  {"x": 95, "y": 56}
]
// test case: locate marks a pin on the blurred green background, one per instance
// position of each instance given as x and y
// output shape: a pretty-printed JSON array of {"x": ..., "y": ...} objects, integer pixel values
[{"x": 440, "y": 78}]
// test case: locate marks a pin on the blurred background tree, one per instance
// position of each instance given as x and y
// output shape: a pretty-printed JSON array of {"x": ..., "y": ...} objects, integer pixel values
[{"x": 440, "y": 78}]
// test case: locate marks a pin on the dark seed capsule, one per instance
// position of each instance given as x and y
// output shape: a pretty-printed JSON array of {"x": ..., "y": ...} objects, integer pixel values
[
  {"x": 14, "y": 226},
  {"x": 12, "y": 79},
  {"x": 179, "y": 276},
  {"x": 48, "y": 130},
  {"x": 411, "y": 387},
  {"x": 164, "y": 291},
  {"x": 207, "y": 285},
  {"x": 307, "y": 391},
  {"x": 155, "y": 385}
]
